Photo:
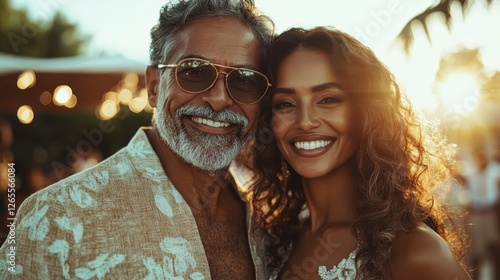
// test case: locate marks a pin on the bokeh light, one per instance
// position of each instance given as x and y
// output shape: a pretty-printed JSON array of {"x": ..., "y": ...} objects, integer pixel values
[
  {"x": 71, "y": 103},
  {"x": 26, "y": 79},
  {"x": 111, "y": 95},
  {"x": 25, "y": 114},
  {"x": 137, "y": 104},
  {"x": 62, "y": 94},
  {"x": 108, "y": 110},
  {"x": 45, "y": 98},
  {"x": 125, "y": 96},
  {"x": 131, "y": 80}
]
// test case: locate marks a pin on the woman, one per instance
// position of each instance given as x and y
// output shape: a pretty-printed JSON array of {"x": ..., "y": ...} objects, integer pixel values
[{"x": 346, "y": 187}]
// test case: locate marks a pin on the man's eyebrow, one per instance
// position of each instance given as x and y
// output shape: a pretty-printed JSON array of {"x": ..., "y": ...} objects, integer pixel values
[
  {"x": 190, "y": 55},
  {"x": 247, "y": 66},
  {"x": 318, "y": 88}
]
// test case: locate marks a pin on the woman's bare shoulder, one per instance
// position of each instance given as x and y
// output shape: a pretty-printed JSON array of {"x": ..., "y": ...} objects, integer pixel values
[{"x": 423, "y": 254}]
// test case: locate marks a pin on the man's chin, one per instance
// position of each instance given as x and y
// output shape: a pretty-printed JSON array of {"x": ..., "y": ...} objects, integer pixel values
[
  {"x": 210, "y": 160},
  {"x": 212, "y": 170},
  {"x": 210, "y": 153}
]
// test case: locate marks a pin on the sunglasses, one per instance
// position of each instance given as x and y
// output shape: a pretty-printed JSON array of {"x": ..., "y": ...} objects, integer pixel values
[{"x": 195, "y": 75}]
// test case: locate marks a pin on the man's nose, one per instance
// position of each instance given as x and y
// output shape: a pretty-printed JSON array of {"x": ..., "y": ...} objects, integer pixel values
[{"x": 217, "y": 96}]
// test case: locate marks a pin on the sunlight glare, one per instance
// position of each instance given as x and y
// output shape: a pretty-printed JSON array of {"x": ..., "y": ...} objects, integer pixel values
[
  {"x": 414, "y": 76},
  {"x": 459, "y": 89}
]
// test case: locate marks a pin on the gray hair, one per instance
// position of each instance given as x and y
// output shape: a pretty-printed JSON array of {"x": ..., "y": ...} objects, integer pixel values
[{"x": 174, "y": 16}]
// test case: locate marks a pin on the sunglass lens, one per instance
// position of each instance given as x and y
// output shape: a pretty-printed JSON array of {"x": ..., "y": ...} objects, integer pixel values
[
  {"x": 246, "y": 86},
  {"x": 195, "y": 75}
]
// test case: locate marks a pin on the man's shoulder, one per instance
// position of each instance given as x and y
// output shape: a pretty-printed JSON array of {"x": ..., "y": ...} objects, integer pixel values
[
  {"x": 103, "y": 169},
  {"x": 102, "y": 174},
  {"x": 133, "y": 165}
]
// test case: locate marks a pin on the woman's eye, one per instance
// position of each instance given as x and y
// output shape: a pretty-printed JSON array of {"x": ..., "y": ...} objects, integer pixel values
[
  {"x": 330, "y": 100},
  {"x": 282, "y": 105}
]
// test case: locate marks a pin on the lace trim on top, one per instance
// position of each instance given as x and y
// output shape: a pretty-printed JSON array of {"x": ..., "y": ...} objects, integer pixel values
[{"x": 345, "y": 270}]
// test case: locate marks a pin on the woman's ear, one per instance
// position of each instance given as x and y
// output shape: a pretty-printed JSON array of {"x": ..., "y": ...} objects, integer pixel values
[{"x": 152, "y": 81}]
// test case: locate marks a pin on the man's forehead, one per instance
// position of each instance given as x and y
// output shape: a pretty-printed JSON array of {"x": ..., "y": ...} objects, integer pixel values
[{"x": 220, "y": 39}]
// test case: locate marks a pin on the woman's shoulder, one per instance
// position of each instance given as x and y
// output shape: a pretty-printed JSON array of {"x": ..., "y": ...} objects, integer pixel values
[{"x": 422, "y": 254}]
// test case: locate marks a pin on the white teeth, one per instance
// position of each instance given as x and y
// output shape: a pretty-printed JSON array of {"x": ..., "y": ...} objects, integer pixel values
[
  {"x": 209, "y": 122},
  {"x": 311, "y": 145}
]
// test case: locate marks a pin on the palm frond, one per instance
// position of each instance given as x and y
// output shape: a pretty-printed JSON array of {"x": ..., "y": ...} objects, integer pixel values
[{"x": 443, "y": 7}]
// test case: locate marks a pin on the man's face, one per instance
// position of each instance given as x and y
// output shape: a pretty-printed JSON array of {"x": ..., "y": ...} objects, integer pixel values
[{"x": 206, "y": 129}]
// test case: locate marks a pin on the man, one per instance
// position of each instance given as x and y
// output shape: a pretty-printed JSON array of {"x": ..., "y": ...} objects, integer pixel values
[{"x": 165, "y": 206}]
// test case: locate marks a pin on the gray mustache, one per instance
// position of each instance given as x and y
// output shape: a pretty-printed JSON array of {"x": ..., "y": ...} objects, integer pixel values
[{"x": 224, "y": 115}]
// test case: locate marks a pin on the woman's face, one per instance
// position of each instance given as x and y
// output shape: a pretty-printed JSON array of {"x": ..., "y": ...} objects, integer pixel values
[{"x": 312, "y": 115}]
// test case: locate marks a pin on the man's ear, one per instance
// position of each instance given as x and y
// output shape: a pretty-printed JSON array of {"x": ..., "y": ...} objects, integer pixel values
[{"x": 152, "y": 81}]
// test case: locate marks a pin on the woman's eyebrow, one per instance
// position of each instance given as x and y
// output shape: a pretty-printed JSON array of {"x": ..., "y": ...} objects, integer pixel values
[
  {"x": 318, "y": 88},
  {"x": 330, "y": 85},
  {"x": 284, "y": 90}
]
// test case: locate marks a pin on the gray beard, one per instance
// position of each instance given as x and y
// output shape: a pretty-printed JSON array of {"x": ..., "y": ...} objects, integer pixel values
[{"x": 208, "y": 152}]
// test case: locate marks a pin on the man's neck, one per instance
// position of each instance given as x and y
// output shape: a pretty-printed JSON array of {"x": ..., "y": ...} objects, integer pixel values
[{"x": 200, "y": 189}]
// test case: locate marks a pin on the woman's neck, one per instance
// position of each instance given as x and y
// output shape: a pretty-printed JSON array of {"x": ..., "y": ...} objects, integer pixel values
[{"x": 331, "y": 198}]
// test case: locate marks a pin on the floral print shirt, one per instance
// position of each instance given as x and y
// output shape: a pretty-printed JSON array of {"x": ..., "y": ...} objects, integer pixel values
[{"x": 121, "y": 219}]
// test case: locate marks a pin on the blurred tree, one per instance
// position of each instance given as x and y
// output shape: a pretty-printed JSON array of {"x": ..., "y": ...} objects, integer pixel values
[
  {"x": 491, "y": 88},
  {"x": 468, "y": 60},
  {"x": 23, "y": 36},
  {"x": 443, "y": 7}
]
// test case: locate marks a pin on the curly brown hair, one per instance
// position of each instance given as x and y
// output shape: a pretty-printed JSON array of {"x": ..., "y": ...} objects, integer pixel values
[{"x": 401, "y": 159}]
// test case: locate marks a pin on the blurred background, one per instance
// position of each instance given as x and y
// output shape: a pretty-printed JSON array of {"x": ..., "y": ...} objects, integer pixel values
[{"x": 72, "y": 86}]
